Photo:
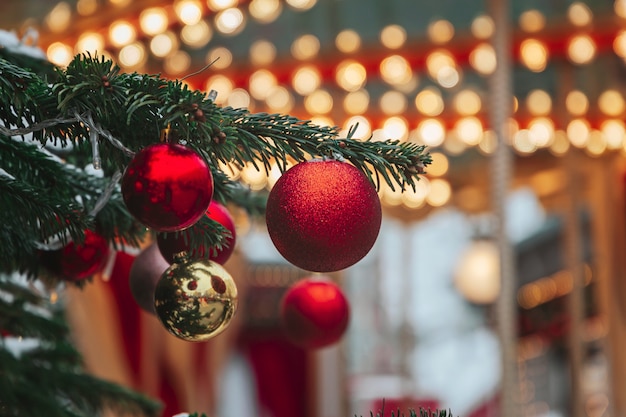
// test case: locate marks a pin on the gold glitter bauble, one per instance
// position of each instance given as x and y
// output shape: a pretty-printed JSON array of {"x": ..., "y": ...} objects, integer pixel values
[{"x": 195, "y": 299}]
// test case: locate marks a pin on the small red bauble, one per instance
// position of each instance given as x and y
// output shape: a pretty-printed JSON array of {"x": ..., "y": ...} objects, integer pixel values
[
  {"x": 167, "y": 187},
  {"x": 323, "y": 215},
  {"x": 171, "y": 244},
  {"x": 315, "y": 313},
  {"x": 144, "y": 275},
  {"x": 77, "y": 262}
]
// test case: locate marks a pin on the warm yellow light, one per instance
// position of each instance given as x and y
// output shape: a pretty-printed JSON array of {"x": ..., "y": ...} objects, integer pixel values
[
  {"x": 611, "y": 103},
  {"x": 396, "y": 70},
  {"x": 164, "y": 44},
  {"x": 448, "y": 77},
  {"x": 86, "y": 7},
  {"x": 440, "y": 192},
  {"x": 302, "y": 4},
  {"x": 523, "y": 143},
  {"x": 482, "y": 27},
  {"x": 132, "y": 56},
  {"x": 305, "y": 47},
  {"x": 576, "y": 103},
  {"x": 467, "y": 103},
  {"x": 177, "y": 63},
  {"x": 230, "y": 21},
  {"x": 280, "y": 100},
  {"x": 120, "y": 3},
  {"x": 348, "y": 41},
  {"x": 439, "y": 60},
  {"x": 614, "y": 133},
  {"x": 59, "y": 17},
  {"x": 431, "y": 132},
  {"x": 350, "y": 75},
  {"x": 265, "y": 11},
  {"x": 415, "y": 199},
  {"x": 579, "y": 14},
  {"x": 534, "y": 55},
  {"x": 396, "y": 127},
  {"x": 388, "y": 196},
  {"x": 255, "y": 178},
  {"x": 319, "y": 102},
  {"x": 356, "y": 102},
  {"x": 222, "y": 84},
  {"x": 596, "y": 145},
  {"x": 218, "y": 5},
  {"x": 261, "y": 84},
  {"x": 393, "y": 36},
  {"x": 483, "y": 59},
  {"x": 276, "y": 172},
  {"x": 541, "y": 131},
  {"x": 539, "y": 103},
  {"x": 469, "y": 130},
  {"x": 578, "y": 131},
  {"x": 90, "y": 42},
  {"x": 362, "y": 124},
  {"x": 440, "y": 31},
  {"x": 429, "y": 102},
  {"x": 560, "y": 145},
  {"x": 262, "y": 52},
  {"x": 153, "y": 21},
  {"x": 532, "y": 21},
  {"x": 477, "y": 275},
  {"x": 581, "y": 49},
  {"x": 238, "y": 98},
  {"x": 196, "y": 36},
  {"x": 189, "y": 12},
  {"x": 122, "y": 33},
  {"x": 488, "y": 143},
  {"x": 59, "y": 54},
  {"x": 439, "y": 165},
  {"x": 306, "y": 79},
  {"x": 393, "y": 102},
  {"x": 619, "y": 44},
  {"x": 221, "y": 57}
]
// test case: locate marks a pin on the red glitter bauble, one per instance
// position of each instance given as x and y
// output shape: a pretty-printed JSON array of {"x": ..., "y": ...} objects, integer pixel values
[
  {"x": 315, "y": 313},
  {"x": 323, "y": 215},
  {"x": 172, "y": 243},
  {"x": 77, "y": 262},
  {"x": 144, "y": 275},
  {"x": 167, "y": 187}
]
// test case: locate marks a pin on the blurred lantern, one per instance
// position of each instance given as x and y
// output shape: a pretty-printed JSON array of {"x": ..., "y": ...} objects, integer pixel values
[{"x": 477, "y": 276}]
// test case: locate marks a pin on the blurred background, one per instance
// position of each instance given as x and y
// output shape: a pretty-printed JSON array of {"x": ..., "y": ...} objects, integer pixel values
[{"x": 422, "y": 331}]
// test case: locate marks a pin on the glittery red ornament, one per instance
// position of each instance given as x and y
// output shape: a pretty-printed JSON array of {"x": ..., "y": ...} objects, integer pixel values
[
  {"x": 315, "y": 313},
  {"x": 167, "y": 187},
  {"x": 323, "y": 216},
  {"x": 172, "y": 243},
  {"x": 144, "y": 275},
  {"x": 77, "y": 262}
]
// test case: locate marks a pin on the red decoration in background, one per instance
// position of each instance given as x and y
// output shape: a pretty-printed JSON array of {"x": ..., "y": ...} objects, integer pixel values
[
  {"x": 77, "y": 262},
  {"x": 145, "y": 272},
  {"x": 323, "y": 215},
  {"x": 171, "y": 244},
  {"x": 167, "y": 187},
  {"x": 315, "y": 313}
]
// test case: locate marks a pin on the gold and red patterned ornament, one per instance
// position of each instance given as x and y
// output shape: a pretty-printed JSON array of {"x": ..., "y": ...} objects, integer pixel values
[
  {"x": 145, "y": 273},
  {"x": 76, "y": 262},
  {"x": 195, "y": 300},
  {"x": 171, "y": 244},
  {"x": 323, "y": 215},
  {"x": 167, "y": 186},
  {"x": 315, "y": 313}
]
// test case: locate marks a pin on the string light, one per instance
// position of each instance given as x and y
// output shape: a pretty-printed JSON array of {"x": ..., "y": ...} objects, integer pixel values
[
  {"x": 319, "y": 102},
  {"x": 153, "y": 21},
  {"x": 611, "y": 103},
  {"x": 539, "y": 102},
  {"x": 393, "y": 36},
  {"x": 59, "y": 54},
  {"x": 356, "y": 102},
  {"x": 350, "y": 75},
  {"x": 467, "y": 102},
  {"x": 348, "y": 41},
  {"x": 431, "y": 132},
  {"x": 163, "y": 44},
  {"x": 132, "y": 56},
  {"x": 230, "y": 21},
  {"x": 483, "y": 59},
  {"x": 532, "y": 21},
  {"x": 121, "y": 33},
  {"x": 306, "y": 79},
  {"x": 188, "y": 12},
  {"x": 482, "y": 27},
  {"x": 393, "y": 102},
  {"x": 305, "y": 47},
  {"x": 196, "y": 36},
  {"x": 440, "y": 31},
  {"x": 581, "y": 49},
  {"x": 265, "y": 11},
  {"x": 220, "y": 57},
  {"x": 429, "y": 102},
  {"x": 262, "y": 52},
  {"x": 534, "y": 55}
]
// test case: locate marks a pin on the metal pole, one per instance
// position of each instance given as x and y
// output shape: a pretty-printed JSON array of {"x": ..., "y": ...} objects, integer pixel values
[{"x": 500, "y": 110}]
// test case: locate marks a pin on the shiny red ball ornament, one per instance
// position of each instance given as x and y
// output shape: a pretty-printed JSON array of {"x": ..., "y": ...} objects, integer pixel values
[
  {"x": 172, "y": 243},
  {"x": 75, "y": 262},
  {"x": 323, "y": 215},
  {"x": 144, "y": 275},
  {"x": 167, "y": 187},
  {"x": 315, "y": 313}
]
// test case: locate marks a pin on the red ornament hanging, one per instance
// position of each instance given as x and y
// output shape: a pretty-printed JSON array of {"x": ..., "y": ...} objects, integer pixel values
[
  {"x": 77, "y": 262},
  {"x": 315, "y": 313},
  {"x": 171, "y": 244},
  {"x": 323, "y": 215},
  {"x": 167, "y": 187},
  {"x": 144, "y": 275}
]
